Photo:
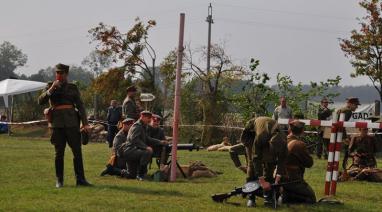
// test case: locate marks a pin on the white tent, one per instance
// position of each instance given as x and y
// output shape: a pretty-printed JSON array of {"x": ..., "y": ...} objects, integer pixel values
[{"x": 11, "y": 87}]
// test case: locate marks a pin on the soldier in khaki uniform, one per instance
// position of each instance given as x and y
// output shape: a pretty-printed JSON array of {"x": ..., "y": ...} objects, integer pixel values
[
  {"x": 352, "y": 104},
  {"x": 266, "y": 149},
  {"x": 363, "y": 148},
  {"x": 298, "y": 159},
  {"x": 117, "y": 165},
  {"x": 129, "y": 106},
  {"x": 66, "y": 111}
]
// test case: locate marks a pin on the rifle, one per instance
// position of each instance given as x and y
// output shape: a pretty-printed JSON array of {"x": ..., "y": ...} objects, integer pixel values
[{"x": 251, "y": 188}]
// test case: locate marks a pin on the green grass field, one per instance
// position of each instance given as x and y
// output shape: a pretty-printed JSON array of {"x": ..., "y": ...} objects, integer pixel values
[{"x": 27, "y": 183}]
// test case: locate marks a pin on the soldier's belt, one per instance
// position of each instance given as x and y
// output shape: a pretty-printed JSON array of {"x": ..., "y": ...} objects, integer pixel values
[{"x": 62, "y": 107}]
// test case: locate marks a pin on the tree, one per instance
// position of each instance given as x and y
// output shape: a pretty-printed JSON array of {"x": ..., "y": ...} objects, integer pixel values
[
  {"x": 97, "y": 62},
  {"x": 255, "y": 95},
  {"x": 364, "y": 47},
  {"x": 76, "y": 73},
  {"x": 110, "y": 85},
  {"x": 128, "y": 48},
  {"x": 298, "y": 95},
  {"x": 10, "y": 59},
  {"x": 213, "y": 84}
]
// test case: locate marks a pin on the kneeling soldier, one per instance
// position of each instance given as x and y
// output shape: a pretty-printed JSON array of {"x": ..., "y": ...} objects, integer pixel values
[
  {"x": 266, "y": 149},
  {"x": 117, "y": 165},
  {"x": 298, "y": 159},
  {"x": 135, "y": 150}
]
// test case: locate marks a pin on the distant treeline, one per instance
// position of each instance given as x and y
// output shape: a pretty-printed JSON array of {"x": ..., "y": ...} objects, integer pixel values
[{"x": 365, "y": 93}]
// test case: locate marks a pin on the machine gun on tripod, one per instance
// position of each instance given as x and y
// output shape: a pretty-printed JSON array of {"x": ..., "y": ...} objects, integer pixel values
[{"x": 249, "y": 189}]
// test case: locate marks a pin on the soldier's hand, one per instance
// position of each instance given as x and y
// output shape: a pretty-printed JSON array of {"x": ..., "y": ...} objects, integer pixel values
[
  {"x": 149, "y": 149},
  {"x": 277, "y": 179},
  {"x": 87, "y": 128},
  {"x": 264, "y": 184},
  {"x": 164, "y": 142},
  {"x": 56, "y": 84}
]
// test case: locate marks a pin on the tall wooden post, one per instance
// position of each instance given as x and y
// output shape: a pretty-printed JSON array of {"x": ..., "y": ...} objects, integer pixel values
[{"x": 175, "y": 136}]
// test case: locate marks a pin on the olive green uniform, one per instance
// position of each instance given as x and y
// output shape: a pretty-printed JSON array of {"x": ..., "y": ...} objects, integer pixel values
[
  {"x": 134, "y": 149},
  {"x": 298, "y": 159},
  {"x": 65, "y": 124},
  {"x": 322, "y": 147},
  {"x": 235, "y": 151},
  {"x": 348, "y": 113},
  {"x": 267, "y": 149},
  {"x": 130, "y": 108},
  {"x": 363, "y": 150}
]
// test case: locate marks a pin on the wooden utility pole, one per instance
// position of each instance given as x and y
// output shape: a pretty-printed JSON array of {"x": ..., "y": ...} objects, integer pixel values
[
  {"x": 175, "y": 135},
  {"x": 210, "y": 21}
]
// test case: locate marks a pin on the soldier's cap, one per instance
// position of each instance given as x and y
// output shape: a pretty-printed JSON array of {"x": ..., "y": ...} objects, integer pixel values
[
  {"x": 62, "y": 67},
  {"x": 353, "y": 100},
  {"x": 156, "y": 117},
  {"x": 131, "y": 89},
  {"x": 297, "y": 124},
  {"x": 128, "y": 121},
  {"x": 146, "y": 113}
]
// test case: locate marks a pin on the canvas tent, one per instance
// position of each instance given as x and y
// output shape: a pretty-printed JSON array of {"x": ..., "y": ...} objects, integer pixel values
[{"x": 11, "y": 87}]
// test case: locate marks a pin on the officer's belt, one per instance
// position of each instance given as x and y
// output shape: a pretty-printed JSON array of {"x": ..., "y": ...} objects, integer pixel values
[{"x": 63, "y": 107}]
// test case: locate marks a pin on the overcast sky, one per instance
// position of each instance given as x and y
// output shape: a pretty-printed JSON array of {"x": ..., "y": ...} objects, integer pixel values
[{"x": 295, "y": 37}]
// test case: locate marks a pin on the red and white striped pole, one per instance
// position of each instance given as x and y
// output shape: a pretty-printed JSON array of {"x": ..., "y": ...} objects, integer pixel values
[
  {"x": 337, "y": 152},
  {"x": 329, "y": 168}
]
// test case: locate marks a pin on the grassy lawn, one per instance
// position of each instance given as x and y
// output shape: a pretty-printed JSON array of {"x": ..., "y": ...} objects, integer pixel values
[{"x": 27, "y": 183}]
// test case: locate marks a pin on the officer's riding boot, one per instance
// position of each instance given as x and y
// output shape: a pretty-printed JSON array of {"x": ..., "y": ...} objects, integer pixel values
[
  {"x": 142, "y": 170},
  {"x": 59, "y": 165},
  {"x": 79, "y": 172}
]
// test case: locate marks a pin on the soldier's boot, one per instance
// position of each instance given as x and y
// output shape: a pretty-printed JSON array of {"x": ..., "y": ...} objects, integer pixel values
[
  {"x": 251, "y": 201},
  {"x": 110, "y": 170},
  {"x": 268, "y": 199},
  {"x": 79, "y": 172},
  {"x": 59, "y": 165},
  {"x": 142, "y": 170}
]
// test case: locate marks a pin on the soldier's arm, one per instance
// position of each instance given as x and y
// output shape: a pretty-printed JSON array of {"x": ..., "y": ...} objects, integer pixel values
[
  {"x": 153, "y": 141},
  {"x": 80, "y": 106},
  {"x": 351, "y": 147},
  {"x": 281, "y": 159},
  {"x": 161, "y": 135},
  {"x": 119, "y": 139},
  {"x": 275, "y": 115},
  {"x": 108, "y": 115},
  {"x": 130, "y": 110},
  {"x": 44, "y": 97},
  {"x": 305, "y": 157},
  {"x": 248, "y": 135}
]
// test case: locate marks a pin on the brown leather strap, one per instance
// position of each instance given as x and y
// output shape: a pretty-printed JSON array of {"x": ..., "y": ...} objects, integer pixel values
[{"x": 62, "y": 107}]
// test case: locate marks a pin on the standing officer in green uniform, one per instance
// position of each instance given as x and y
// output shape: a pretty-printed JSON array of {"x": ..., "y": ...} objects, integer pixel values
[
  {"x": 324, "y": 113},
  {"x": 351, "y": 105},
  {"x": 64, "y": 116},
  {"x": 266, "y": 147},
  {"x": 129, "y": 106},
  {"x": 298, "y": 159}
]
